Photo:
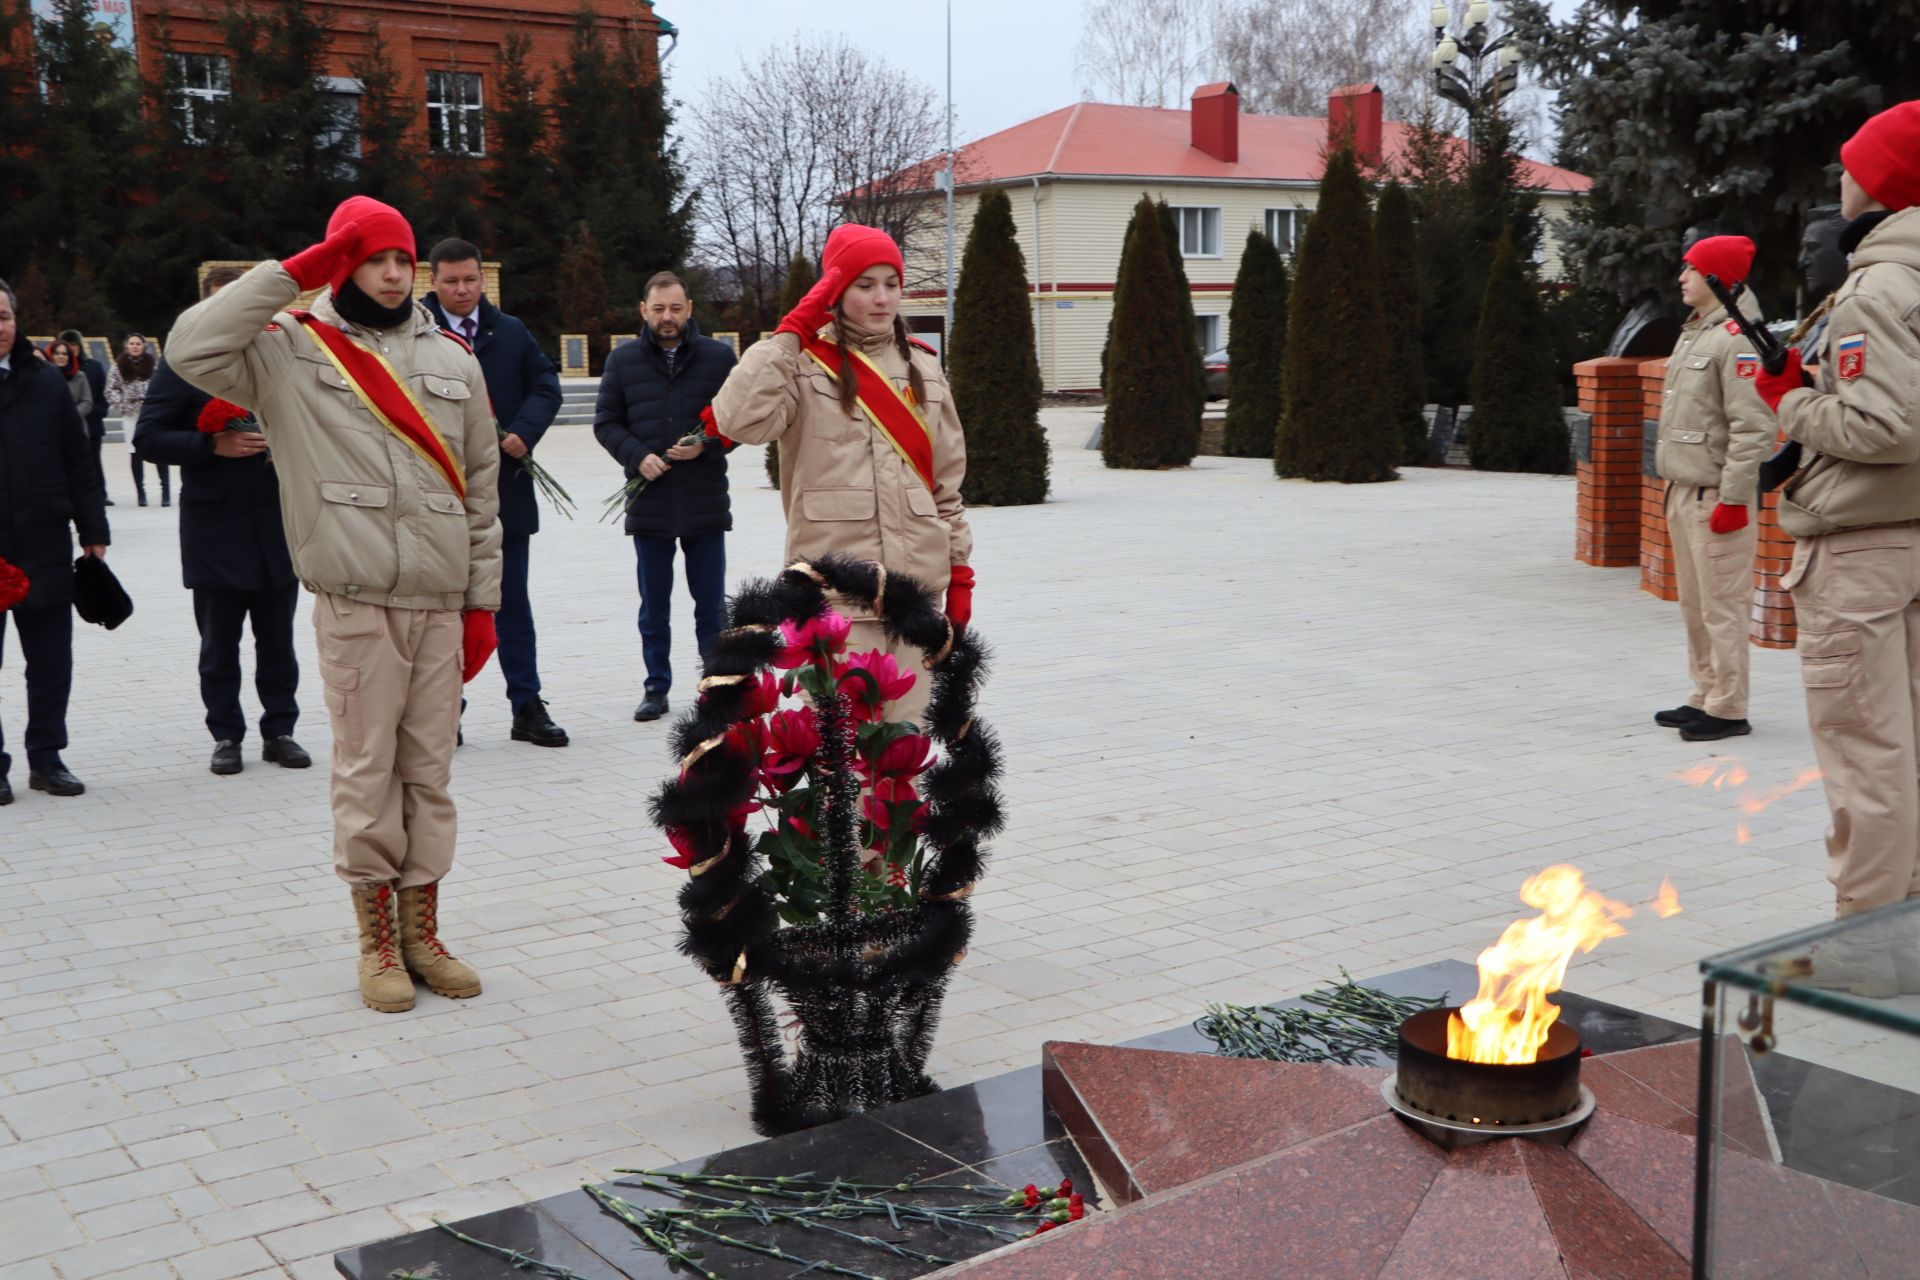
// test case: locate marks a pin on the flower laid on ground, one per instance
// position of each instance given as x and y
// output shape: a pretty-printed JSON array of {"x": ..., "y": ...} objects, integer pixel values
[{"x": 14, "y": 586}]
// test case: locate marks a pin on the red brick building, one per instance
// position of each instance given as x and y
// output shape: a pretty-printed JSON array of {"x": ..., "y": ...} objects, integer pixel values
[{"x": 446, "y": 52}]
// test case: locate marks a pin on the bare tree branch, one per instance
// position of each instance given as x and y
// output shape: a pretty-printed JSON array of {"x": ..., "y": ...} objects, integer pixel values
[{"x": 1144, "y": 53}]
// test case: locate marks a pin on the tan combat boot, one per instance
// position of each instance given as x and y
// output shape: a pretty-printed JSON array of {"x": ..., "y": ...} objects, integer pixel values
[
  {"x": 420, "y": 945},
  {"x": 384, "y": 984}
]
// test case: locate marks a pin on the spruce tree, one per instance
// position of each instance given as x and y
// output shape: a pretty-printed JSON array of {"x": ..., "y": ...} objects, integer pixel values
[
  {"x": 1396, "y": 254},
  {"x": 1517, "y": 424},
  {"x": 524, "y": 240},
  {"x": 801, "y": 277},
  {"x": 389, "y": 165},
  {"x": 1256, "y": 350},
  {"x": 33, "y": 299},
  {"x": 1433, "y": 170},
  {"x": 583, "y": 290},
  {"x": 1338, "y": 423},
  {"x": 84, "y": 307},
  {"x": 993, "y": 365},
  {"x": 1149, "y": 381}
]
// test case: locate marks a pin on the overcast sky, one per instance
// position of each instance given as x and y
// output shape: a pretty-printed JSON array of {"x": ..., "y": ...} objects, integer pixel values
[{"x": 1012, "y": 59}]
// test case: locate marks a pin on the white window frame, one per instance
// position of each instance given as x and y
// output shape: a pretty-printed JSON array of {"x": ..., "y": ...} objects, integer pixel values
[
  {"x": 205, "y": 79},
  {"x": 1210, "y": 325},
  {"x": 344, "y": 94},
  {"x": 1296, "y": 223},
  {"x": 456, "y": 125},
  {"x": 1205, "y": 224}
]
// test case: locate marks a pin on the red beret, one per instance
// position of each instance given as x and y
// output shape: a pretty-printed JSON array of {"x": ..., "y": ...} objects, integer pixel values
[{"x": 1728, "y": 257}]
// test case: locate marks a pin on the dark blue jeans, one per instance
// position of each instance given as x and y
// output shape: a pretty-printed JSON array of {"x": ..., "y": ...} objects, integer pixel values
[
  {"x": 513, "y": 625},
  {"x": 276, "y": 671},
  {"x": 706, "y": 555},
  {"x": 46, "y": 641}
]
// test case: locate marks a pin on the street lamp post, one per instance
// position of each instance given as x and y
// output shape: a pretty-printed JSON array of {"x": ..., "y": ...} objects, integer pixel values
[{"x": 1475, "y": 68}]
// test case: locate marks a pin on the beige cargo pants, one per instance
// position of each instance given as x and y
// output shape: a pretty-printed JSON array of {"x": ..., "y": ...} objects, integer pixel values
[
  {"x": 1714, "y": 572},
  {"x": 392, "y": 681},
  {"x": 1856, "y": 599}
]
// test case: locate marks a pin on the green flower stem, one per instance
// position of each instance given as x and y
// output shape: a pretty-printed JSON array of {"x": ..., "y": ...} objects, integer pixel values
[
  {"x": 630, "y": 1213},
  {"x": 659, "y": 1241},
  {"x": 520, "y": 1261}
]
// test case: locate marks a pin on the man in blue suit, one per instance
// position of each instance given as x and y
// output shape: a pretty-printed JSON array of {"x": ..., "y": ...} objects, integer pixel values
[{"x": 525, "y": 391}]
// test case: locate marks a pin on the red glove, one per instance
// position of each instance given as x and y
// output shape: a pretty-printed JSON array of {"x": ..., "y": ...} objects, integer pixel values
[
  {"x": 813, "y": 311},
  {"x": 1773, "y": 387},
  {"x": 1727, "y": 518},
  {"x": 477, "y": 642},
  {"x": 313, "y": 267},
  {"x": 960, "y": 597},
  {"x": 712, "y": 428}
]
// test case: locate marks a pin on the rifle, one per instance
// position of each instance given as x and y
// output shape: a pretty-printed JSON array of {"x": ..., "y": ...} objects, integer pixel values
[{"x": 1779, "y": 468}]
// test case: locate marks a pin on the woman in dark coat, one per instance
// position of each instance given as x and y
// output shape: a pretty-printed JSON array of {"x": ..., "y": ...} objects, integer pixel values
[{"x": 67, "y": 360}]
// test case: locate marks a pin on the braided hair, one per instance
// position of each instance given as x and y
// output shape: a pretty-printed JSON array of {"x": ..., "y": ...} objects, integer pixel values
[{"x": 848, "y": 391}]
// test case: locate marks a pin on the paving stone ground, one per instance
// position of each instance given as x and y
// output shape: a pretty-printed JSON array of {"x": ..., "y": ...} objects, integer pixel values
[{"x": 1256, "y": 731}]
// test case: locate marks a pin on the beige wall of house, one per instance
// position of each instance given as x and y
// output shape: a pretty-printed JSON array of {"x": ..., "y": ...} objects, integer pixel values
[{"x": 1080, "y": 227}]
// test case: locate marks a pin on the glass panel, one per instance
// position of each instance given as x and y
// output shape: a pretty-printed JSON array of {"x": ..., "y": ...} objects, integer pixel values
[{"x": 1814, "y": 1122}]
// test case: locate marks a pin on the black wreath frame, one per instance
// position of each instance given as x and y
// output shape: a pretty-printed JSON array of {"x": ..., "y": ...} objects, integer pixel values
[{"x": 732, "y": 930}]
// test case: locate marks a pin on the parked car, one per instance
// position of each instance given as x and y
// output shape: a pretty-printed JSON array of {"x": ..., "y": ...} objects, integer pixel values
[{"x": 1216, "y": 362}]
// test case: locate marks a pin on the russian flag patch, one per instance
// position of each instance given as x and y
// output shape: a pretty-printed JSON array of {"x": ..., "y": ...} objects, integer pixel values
[
  {"x": 1850, "y": 354},
  {"x": 1747, "y": 365}
]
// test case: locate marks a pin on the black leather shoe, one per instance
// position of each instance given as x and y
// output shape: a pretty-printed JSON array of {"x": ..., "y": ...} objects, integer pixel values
[
  {"x": 226, "y": 758},
  {"x": 1712, "y": 728},
  {"x": 56, "y": 781},
  {"x": 653, "y": 708},
  {"x": 1678, "y": 718},
  {"x": 286, "y": 753},
  {"x": 531, "y": 723},
  {"x": 6, "y": 792}
]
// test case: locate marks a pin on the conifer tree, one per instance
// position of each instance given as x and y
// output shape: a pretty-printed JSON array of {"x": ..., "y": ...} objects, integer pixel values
[
  {"x": 801, "y": 277},
  {"x": 389, "y": 164},
  {"x": 1149, "y": 382},
  {"x": 524, "y": 239},
  {"x": 583, "y": 293},
  {"x": 1182, "y": 439},
  {"x": 994, "y": 366},
  {"x": 84, "y": 307},
  {"x": 1517, "y": 424},
  {"x": 1396, "y": 254},
  {"x": 1256, "y": 350},
  {"x": 1338, "y": 423},
  {"x": 34, "y": 302}
]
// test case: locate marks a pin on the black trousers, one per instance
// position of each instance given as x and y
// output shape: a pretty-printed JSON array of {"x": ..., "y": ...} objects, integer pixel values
[
  {"x": 276, "y": 672},
  {"x": 46, "y": 641},
  {"x": 140, "y": 478}
]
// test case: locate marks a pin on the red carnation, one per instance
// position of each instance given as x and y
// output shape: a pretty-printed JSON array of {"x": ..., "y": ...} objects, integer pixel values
[
  {"x": 13, "y": 586},
  {"x": 219, "y": 415}
]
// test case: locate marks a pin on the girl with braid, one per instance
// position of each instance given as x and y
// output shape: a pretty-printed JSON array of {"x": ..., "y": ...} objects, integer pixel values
[{"x": 871, "y": 451}]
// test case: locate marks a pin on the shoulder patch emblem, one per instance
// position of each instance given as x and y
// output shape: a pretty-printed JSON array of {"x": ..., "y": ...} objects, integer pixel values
[
  {"x": 1733, "y": 326},
  {"x": 273, "y": 326},
  {"x": 448, "y": 333},
  {"x": 1850, "y": 356},
  {"x": 930, "y": 350},
  {"x": 1747, "y": 365}
]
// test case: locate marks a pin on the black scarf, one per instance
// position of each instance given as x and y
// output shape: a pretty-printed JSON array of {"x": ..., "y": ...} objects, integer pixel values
[
  {"x": 356, "y": 306},
  {"x": 1860, "y": 228}
]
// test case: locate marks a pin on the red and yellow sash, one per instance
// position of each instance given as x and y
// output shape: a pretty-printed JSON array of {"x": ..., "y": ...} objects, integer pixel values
[
  {"x": 381, "y": 388},
  {"x": 891, "y": 411}
]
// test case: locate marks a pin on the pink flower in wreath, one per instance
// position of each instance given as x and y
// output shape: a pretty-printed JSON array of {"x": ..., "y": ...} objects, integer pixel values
[
  {"x": 904, "y": 759},
  {"x": 816, "y": 638},
  {"x": 867, "y": 699},
  {"x": 795, "y": 737},
  {"x": 762, "y": 696},
  {"x": 686, "y": 855},
  {"x": 749, "y": 738},
  {"x": 889, "y": 792}
]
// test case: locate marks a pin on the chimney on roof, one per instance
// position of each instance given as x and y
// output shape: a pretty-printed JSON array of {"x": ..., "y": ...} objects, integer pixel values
[
  {"x": 1216, "y": 121},
  {"x": 1355, "y": 110}
]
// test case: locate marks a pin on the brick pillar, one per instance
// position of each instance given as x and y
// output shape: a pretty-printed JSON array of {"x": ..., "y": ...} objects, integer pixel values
[
  {"x": 1772, "y": 626},
  {"x": 1656, "y": 547},
  {"x": 1606, "y": 531}
]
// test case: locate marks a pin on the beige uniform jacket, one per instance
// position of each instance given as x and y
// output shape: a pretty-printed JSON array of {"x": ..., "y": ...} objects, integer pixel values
[
  {"x": 366, "y": 516},
  {"x": 1715, "y": 430},
  {"x": 843, "y": 486},
  {"x": 1863, "y": 420}
]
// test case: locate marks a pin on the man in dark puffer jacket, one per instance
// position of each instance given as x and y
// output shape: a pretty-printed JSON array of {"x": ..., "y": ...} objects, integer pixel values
[{"x": 651, "y": 396}]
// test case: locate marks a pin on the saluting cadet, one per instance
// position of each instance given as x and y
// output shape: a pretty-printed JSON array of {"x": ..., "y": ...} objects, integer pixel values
[
  {"x": 1714, "y": 433},
  {"x": 1853, "y": 508}
]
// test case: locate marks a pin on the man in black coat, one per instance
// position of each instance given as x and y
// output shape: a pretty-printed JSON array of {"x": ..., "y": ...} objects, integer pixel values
[
  {"x": 47, "y": 482},
  {"x": 524, "y": 389},
  {"x": 233, "y": 556},
  {"x": 96, "y": 375},
  {"x": 651, "y": 396}
]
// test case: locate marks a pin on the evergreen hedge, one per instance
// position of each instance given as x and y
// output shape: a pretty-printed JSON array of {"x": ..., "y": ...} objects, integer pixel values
[
  {"x": 1149, "y": 378},
  {"x": 1338, "y": 423},
  {"x": 1396, "y": 252},
  {"x": 993, "y": 365},
  {"x": 1256, "y": 350},
  {"x": 1517, "y": 424},
  {"x": 801, "y": 276}
]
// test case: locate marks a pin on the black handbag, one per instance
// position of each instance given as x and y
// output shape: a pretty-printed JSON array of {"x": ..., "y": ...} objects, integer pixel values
[{"x": 98, "y": 595}]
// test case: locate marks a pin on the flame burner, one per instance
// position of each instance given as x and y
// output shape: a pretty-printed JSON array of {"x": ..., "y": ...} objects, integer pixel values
[{"x": 1457, "y": 1103}]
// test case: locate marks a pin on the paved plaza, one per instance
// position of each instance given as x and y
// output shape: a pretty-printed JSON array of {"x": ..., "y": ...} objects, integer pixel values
[{"x": 1255, "y": 731}]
